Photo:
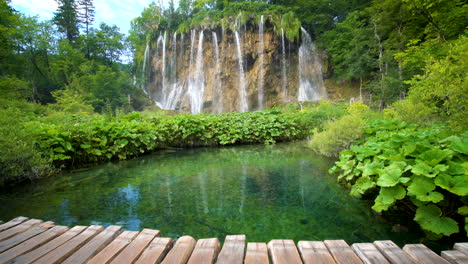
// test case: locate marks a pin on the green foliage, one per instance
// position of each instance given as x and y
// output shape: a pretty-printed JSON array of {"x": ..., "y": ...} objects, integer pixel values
[
  {"x": 440, "y": 93},
  {"x": 20, "y": 158},
  {"x": 71, "y": 101},
  {"x": 340, "y": 134},
  {"x": 14, "y": 89},
  {"x": 426, "y": 167}
]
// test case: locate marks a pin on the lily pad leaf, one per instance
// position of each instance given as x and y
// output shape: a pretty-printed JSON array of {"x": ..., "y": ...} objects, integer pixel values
[
  {"x": 429, "y": 217},
  {"x": 361, "y": 186}
]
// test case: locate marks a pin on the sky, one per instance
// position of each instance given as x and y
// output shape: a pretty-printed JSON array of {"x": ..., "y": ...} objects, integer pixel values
[{"x": 111, "y": 12}]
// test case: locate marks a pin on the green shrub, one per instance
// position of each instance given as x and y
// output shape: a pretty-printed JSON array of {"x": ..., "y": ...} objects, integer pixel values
[
  {"x": 19, "y": 157},
  {"x": 424, "y": 169},
  {"x": 340, "y": 134}
]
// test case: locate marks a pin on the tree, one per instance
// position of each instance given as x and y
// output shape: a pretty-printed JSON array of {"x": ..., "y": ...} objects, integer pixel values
[
  {"x": 8, "y": 30},
  {"x": 66, "y": 19},
  {"x": 86, "y": 15}
]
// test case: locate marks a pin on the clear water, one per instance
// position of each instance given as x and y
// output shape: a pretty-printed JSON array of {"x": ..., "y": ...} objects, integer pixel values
[{"x": 265, "y": 192}]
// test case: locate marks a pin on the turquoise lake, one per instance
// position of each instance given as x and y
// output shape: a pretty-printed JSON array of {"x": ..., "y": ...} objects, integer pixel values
[{"x": 266, "y": 192}]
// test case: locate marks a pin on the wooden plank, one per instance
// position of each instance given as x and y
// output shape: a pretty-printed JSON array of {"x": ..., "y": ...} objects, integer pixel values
[
  {"x": 12, "y": 222},
  {"x": 423, "y": 254},
  {"x": 257, "y": 253},
  {"x": 136, "y": 247},
  {"x": 463, "y": 247},
  {"x": 46, "y": 248},
  {"x": 19, "y": 229},
  {"x": 206, "y": 250},
  {"x": 109, "y": 252},
  {"x": 62, "y": 252},
  {"x": 342, "y": 252},
  {"x": 369, "y": 254},
  {"x": 156, "y": 251},
  {"x": 94, "y": 246},
  {"x": 181, "y": 251},
  {"x": 233, "y": 250},
  {"x": 32, "y": 243},
  {"x": 13, "y": 241},
  {"x": 283, "y": 251},
  {"x": 315, "y": 252},
  {"x": 393, "y": 253},
  {"x": 455, "y": 256}
]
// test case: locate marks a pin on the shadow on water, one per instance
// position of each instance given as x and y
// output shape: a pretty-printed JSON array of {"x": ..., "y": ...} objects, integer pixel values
[{"x": 265, "y": 192}]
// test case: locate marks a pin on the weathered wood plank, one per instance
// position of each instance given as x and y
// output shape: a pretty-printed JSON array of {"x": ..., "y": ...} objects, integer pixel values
[
  {"x": 463, "y": 247},
  {"x": 423, "y": 254},
  {"x": 51, "y": 245},
  {"x": 257, "y": 253},
  {"x": 109, "y": 252},
  {"x": 283, "y": 251},
  {"x": 12, "y": 222},
  {"x": 233, "y": 250},
  {"x": 369, "y": 254},
  {"x": 136, "y": 247},
  {"x": 206, "y": 250},
  {"x": 63, "y": 251},
  {"x": 13, "y": 231},
  {"x": 315, "y": 252},
  {"x": 393, "y": 253},
  {"x": 95, "y": 245},
  {"x": 15, "y": 240},
  {"x": 181, "y": 251},
  {"x": 32, "y": 243},
  {"x": 342, "y": 252},
  {"x": 455, "y": 256},
  {"x": 156, "y": 251}
]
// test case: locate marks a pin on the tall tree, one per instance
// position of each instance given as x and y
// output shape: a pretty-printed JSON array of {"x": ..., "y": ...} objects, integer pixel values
[
  {"x": 86, "y": 15},
  {"x": 67, "y": 20},
  {"x": 8, "y": 31}
]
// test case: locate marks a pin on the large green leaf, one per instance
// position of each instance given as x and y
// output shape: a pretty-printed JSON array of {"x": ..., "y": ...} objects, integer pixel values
[
  {"x": 434, "y": 156},
  {"x": 421, "y": 168},
  {"x": 387, "y": 197},
  {"x": 458, "y": 144},
  {"x": 463, "y": 210},
  {"x": 455, "y": 184},
  {"x": 423, "y": 189},
  {"x": 390, "y": 176},
  {"x": 361, "y": 186},
  {"x": 430, "y": 218}
]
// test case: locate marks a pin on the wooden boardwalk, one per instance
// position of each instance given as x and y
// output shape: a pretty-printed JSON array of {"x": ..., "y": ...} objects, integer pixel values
[{"x": 24, "y": 240}]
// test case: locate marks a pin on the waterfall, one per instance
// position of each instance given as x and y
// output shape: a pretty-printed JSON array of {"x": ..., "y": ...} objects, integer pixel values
[
  {"x": 311, "y": 87},
  {"x": 243, "y": 105},
  {"x": 177, "y": 90},
  {"x": 217, "y": 86},
  {"x": 261, "y": 74},
  {"x": 196, "y": 88},
  {"x": 163, "y": 72},
  {"x": 283, "y": 65},
  {"x": 144, "y": 75}
]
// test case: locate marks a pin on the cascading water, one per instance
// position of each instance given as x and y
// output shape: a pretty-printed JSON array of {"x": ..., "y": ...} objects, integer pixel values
[
  {"x": 196, "y": 88},
  {"x": 144, "y": 71},
  {"x": 243, "y": 105},
  {"x": 283, "y": 66},
  {"x": 219, "y": 74},
  {"x": 261, "y": 71},
  {"x": 217, "y": 86},
  {"x": 311, "y": 86}
]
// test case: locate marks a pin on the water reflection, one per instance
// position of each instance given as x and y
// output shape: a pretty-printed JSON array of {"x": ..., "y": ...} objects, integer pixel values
[{"x": 265, "y": 192}]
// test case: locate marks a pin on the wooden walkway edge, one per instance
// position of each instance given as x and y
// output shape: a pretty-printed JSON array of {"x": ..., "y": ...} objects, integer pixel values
[{"x": 24, "y": 240}]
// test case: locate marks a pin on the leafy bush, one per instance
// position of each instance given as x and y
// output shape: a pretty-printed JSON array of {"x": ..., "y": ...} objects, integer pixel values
[
  {"x": 425, "y": 168},
  {"x": 340, "y": 134},
  {"x": 19, "y": 157}
]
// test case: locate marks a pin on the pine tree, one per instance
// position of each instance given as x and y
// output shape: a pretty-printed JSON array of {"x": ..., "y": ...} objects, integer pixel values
[
  {"x": 66, "y": 19},
  {"x": 86, "y": 16}
]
